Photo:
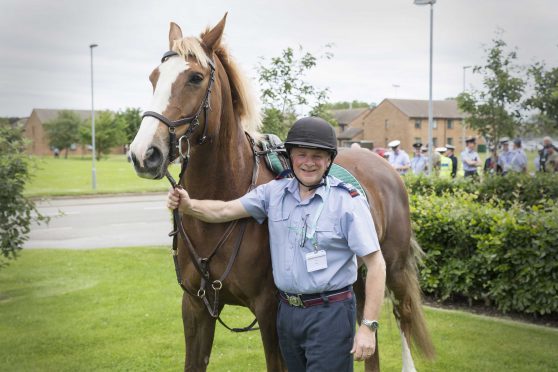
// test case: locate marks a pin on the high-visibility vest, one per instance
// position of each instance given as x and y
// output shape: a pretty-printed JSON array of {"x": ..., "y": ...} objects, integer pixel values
[{"x": 445, "y": 167}]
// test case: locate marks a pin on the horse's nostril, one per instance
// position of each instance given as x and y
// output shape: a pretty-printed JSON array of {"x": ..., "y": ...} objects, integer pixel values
[
  {"x": 132, "y": 158},
  {"x": 153, "y": 158}
]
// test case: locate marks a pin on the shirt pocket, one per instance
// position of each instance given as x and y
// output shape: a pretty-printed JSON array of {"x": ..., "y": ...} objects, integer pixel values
[{"x": 328, "y": 233}]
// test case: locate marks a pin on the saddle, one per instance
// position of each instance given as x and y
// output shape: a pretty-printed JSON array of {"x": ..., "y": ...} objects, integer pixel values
[{"x": 276, "y": 160}]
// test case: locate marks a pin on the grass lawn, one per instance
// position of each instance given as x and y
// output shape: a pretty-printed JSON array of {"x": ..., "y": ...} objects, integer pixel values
[
  {"x": 119, "y": 310},
  {"x": 72, "y": 176}
]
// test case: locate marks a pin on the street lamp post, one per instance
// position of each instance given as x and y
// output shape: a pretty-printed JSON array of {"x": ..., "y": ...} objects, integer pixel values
[
  {"x": 464, "y": 89},
  {"x": 430, "y": 109},
  {"x": 396, "y": 86},
  {"x": 93, "y": 173}
]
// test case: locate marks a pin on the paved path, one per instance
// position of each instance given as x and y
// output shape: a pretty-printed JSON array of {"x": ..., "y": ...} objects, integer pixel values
[{"x": 102, "y": 222}]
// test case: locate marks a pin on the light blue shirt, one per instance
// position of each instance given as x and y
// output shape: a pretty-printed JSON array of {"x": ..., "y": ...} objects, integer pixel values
[
  {"x": 469, "y": 155},
  {"x": 344, "y": 229},
  {"x": 419, "y": 163},
  {"x": 518, "y": 162},
  {"x": 399, "y": 159},
  {"x": 504, "y": 160}
]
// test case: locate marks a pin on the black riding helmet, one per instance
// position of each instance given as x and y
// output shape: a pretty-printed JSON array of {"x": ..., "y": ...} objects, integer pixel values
[{"x": 313, "y": 133}]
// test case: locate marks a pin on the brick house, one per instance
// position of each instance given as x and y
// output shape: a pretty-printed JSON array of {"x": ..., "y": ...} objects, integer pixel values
[
  {"x": 350, "y": 124},
  {"x": 407, "y": 120}
]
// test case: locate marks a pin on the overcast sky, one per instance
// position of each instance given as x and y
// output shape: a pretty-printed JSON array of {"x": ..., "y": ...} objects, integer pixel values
[{"x": 45, "y": 55}]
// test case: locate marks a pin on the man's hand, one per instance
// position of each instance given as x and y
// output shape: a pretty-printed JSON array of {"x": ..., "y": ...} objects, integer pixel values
[
  {"x": 364, "y": 344},
  {"x": 179, "y": 198}
]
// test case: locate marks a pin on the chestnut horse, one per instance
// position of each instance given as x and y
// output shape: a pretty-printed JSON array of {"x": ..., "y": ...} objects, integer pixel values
[{"x": 200, "y": 97}]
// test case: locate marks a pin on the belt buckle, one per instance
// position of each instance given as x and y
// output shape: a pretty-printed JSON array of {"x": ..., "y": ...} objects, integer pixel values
[{"x": 295, "y": 300}]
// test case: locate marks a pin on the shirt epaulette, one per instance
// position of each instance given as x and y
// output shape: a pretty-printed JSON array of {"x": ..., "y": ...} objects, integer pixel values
[
  {"x": 350, "y": 188},
  {"x": 284, "y": 174}
]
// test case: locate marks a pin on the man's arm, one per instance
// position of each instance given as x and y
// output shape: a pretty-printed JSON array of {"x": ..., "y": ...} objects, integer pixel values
[
  {"x": 213, "y": 211},
  {"x": 364, "y": 344}
]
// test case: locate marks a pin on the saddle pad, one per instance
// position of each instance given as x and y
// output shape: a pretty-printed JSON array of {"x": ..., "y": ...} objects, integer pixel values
[{"x": 344, "y": 175}]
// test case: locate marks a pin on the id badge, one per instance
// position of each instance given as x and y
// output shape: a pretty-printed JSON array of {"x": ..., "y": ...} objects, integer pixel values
[{"x": 316, "y": 260}]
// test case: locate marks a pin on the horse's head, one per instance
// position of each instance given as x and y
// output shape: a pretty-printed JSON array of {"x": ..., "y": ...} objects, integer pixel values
[{"x": 182, "y": 99}]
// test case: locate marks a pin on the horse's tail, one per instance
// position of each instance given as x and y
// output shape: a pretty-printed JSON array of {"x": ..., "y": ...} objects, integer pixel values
[{"x": 410, "y": 311}]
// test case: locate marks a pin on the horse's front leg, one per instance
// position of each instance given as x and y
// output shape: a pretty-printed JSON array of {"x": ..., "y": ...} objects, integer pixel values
[
  {"x": 199, "y": 330},
  {"x": 266, "y": 313}
]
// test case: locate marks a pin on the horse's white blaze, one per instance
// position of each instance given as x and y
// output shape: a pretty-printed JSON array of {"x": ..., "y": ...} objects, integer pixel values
[
  {"x": 408, "y": 364},
  {"x": 146, "y": 136}
]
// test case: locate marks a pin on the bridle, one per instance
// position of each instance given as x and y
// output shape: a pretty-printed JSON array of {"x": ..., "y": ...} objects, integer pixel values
[
  {"x": 175, "y": 146},
  {"x": 201, "y": 264}
]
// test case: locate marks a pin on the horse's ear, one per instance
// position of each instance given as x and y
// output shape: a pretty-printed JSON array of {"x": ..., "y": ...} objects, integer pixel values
[
  {"x": 212, "y": 38},
  {"x": 175, "y": 33}
]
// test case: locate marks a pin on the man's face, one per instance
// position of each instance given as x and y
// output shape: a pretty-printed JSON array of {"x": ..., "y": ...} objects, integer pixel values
[
  {"x": 506, "y": 147},
  {"x": 470, "y": 145},
  {"x": 309, "y": 165}
]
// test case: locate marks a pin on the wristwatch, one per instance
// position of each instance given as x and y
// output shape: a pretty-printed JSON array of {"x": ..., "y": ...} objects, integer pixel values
[{"x": 372, "y": 324}]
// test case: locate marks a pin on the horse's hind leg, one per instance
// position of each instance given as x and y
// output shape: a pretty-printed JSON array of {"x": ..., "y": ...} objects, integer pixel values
[
  {"x": 373, "y": 363},
  {"x": 199, "y": 330},
  {"x": 266, "y": 313},
  {"x": 402, "y": 281}
]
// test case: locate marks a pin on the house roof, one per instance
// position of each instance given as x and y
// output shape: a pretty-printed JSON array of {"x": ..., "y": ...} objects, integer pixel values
[
  {"x": 346, "y": 116},
  {"x": 45, "y": 115},
  {"x": 349, "y": 133},
  {"x": 416, "y": 108}
]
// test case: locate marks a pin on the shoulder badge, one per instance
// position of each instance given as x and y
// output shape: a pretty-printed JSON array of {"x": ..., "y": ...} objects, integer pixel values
[
  {"x": 350, "y": 188},
  {"x": 284, "y": 174}
]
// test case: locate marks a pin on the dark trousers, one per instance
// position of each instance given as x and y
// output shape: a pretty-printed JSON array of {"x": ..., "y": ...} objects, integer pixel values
[
  {"x": 317, "y": 338},
  {"x": 471, "y": 173}
]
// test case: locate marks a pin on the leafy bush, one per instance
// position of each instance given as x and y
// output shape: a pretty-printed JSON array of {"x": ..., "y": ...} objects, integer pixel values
[
  {"x": 481, "y": 251},
  {"x": 15, "y": 210},
  {"x": 510, "y": 189}
]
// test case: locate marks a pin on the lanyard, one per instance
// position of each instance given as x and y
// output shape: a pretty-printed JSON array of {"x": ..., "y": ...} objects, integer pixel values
[{"x": 310, "y": 230}]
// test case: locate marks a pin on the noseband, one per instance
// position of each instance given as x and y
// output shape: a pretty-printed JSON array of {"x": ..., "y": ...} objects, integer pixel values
[{"x": 175, "y": 145}]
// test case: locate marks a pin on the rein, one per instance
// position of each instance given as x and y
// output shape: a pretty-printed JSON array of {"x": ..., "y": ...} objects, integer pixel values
[{"x": 201, "y": 264}]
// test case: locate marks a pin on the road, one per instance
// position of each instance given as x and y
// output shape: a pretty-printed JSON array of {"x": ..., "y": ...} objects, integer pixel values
[{"x": 102, "y": 222}]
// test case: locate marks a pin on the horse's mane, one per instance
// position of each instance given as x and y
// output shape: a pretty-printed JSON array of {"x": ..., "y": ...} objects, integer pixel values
[{"x": 244, "y": 101}]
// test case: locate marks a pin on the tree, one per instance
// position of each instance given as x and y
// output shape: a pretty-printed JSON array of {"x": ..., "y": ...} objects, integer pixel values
[
  {"x": 109, "y": 132},
  {"x": 63, "y": 131},
  {"x": 16, "y": 211},
  {"x": 343, "y": 105},
  {"x": 131, "y": 118},
  {"x": 495, "y": 111},
  {"x": 545, "y": 96},
  {"x": 285, "y": 92}
]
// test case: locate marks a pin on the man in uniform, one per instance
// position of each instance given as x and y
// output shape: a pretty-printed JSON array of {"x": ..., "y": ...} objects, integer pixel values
[
  {"x": 518, "y": 162},
  {"x": 450, "y": 154},
  {"x": 419, "y": 161},
  {"x": 551, "y": 165},
  {"x": 470, "y": 158},
  {"x": 398, "y": 158},
  {"x": 445, "y": 163},
  {"x": 316, "y": 230},
  {"x": 505, "y": 156}
]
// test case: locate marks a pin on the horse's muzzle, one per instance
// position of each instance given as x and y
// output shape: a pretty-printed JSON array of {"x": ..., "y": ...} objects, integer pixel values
[{"x": 152, "y": 164}]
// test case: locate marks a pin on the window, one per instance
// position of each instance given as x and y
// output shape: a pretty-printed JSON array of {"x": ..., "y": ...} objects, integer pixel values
[
  {"x": 417, "y": 139},
  {"x": 417, "y": 123},
  {"x": 386, "y": 124},
  {"x": 450, "y": 141},
  {"x": 450, "y": 124},
  {"x": 434, "y": 124},
  {"x": 434, "y": 142}
]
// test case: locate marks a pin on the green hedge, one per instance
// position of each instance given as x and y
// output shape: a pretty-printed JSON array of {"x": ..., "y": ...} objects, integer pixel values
[
  {"x": 509, "y": 189},
  {"x": 506, "y": 256}
]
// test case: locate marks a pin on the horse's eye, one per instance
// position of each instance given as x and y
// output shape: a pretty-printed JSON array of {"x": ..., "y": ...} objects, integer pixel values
[{"x": 196, "y": 79}]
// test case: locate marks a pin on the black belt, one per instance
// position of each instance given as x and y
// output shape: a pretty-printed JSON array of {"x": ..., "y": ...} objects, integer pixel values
[{"x": 315, "y": 299}]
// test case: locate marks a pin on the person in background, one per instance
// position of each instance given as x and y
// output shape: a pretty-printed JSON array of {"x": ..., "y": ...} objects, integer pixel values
[
  {"x": 551, "y": 165},
  {"x": 505, "y": 156},
  {"x": 518, "y": 162},
  {"x": 470, "y": 158},
  {"x": 450, "y": 154},
  {"x": 398, "y": 158},
  {"x": 543, "y": 153},
  {"x": 445, "y": 163},
  {"x": 313, "y": 254},
  {"x": 419, "y": 161}
]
